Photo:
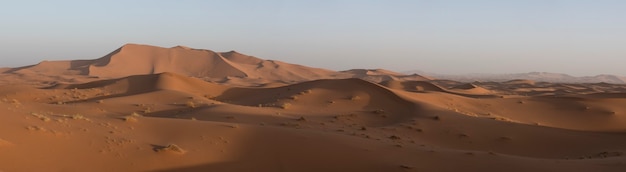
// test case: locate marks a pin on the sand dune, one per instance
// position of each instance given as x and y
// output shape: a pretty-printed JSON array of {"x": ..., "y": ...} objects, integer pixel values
[
  {"x": 152, "y": 82},
  {"x": 521, "y": 82},
  {"x": 535, "y": 76},
  {"x": 471, "y": 89},
  {"x": 231, "y": 68},
  {"x": 412, "y": 85},
  {"x": 380, "y": 75},
  {"x": 145, "y": 108},
  {"x": 134, "y": 59}
]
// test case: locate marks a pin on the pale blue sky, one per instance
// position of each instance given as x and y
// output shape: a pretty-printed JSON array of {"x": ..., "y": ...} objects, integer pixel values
[{"x": 579, "y": 37}]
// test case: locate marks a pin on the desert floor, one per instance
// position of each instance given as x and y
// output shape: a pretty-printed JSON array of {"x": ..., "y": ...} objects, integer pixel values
[{"x": 247, "y": 114}]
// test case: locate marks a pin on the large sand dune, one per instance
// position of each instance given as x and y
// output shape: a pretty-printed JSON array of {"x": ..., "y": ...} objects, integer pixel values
[
  {"x": 145, "y": 108},
  {"x": 231, "y": 68}
]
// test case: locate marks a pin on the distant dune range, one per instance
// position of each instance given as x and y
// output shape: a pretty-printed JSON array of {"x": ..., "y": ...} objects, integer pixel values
[
  {"x": 146, "y": 108},
  {"x": 536, "y": 76}
]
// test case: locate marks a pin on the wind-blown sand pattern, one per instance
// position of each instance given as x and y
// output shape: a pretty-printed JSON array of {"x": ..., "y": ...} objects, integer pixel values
[{"x": 146, "y": 108}]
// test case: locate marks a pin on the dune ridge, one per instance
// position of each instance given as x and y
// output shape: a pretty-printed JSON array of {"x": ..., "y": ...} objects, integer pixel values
[{"x": 135, "y": 59}]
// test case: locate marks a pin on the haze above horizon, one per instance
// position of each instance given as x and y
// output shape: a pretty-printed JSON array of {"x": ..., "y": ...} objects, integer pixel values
[{"x": 575, "y": 37}]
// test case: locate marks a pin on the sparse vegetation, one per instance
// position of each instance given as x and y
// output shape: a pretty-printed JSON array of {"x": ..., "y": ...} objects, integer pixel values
[
  {"x": 285, "y": 105},
  {"x": 190, "y": 104},
  {"x": 353, "y": 98},
  {"x": 35, "y": 128},
  {"x": 379, "y": 111},
  {"x": 437, "y": 118},
  {"x": 134, "y": 117},
  {"x": 42, "y": 117},
  {"x": 308, "y": 91},
  {"x": 79, "y": 116},
  {"x": 301, "y": 119},
  {"x": 293, "y": 97},
  {"x": 173, "y": 148}
]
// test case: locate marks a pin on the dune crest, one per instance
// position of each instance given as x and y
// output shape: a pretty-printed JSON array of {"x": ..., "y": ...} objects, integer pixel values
[{"x": 135, "y": 59}]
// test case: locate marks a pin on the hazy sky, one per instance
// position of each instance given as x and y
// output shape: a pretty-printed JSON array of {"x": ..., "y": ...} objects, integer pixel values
[{"x": 579, "y": 37}]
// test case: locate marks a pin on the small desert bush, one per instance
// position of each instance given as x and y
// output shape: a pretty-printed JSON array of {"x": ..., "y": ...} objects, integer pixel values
[
  {"x": 285, "y": 105},
  {"x": 305, "y": 92},
  {"x": 173, "y": 148},
  {"x": 147, "y": 110},
  {"x": 134, "y": 117},
  {"x": 190, "y": 104},
  {"x": 355, "y": 98},
  {"x": 379, "y": 111},
  {"x": 130, "y": 119},
  {"x": 78, "y": 116},
  {"x": 35, "y": 128},
  {"x": 44, "y": 118},
  {"x": 301, "y": 119}
]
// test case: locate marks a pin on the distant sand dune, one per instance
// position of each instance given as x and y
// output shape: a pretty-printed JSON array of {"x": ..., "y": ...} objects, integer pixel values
[
  {"x": 151, "y": 82},
  {"x": 412, "y": 85}
]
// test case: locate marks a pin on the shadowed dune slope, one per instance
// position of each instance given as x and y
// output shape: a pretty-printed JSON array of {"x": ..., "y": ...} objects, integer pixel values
[
  {"x": 152, "y": 82},
  {"x": 342, "y": 95},
  {"x": 353, "y": 94}
]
